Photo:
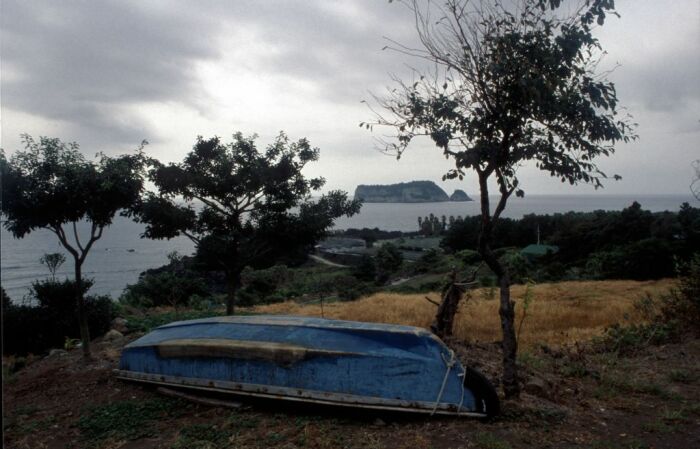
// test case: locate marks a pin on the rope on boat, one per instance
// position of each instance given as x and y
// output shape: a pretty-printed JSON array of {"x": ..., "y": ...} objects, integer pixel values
[{"x": 449, "y": 364}]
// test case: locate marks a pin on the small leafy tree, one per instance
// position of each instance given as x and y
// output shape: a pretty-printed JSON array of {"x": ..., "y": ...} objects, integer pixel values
[
  {"x": 50, "y": 185},
  {"x": 513, "y": 82},
  {"x": 242, "y": 206},
  {"x": 53, "y": 262}
]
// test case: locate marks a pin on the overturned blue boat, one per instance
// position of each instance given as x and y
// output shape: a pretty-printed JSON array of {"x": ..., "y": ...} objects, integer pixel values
[{"x": 332, "y": 362}]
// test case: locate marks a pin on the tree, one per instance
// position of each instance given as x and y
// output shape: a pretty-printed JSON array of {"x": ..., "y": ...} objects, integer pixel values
[
  {"x": 513, "y": 82},
  {"x": 50, "y": 185},
  {"x": 239, "y": 202},
  {"x": 388, "y": 259},
  {"x": 53, "y": 262}
]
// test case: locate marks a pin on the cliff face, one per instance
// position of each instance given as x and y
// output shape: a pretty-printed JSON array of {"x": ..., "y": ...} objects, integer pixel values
[
  {"x": 405, "y": 192},
  {"x": 460, "y": 195}
]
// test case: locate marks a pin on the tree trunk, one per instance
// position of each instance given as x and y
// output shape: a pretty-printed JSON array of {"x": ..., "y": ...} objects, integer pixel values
[
  {"x": 82, "y": 313},
  {"x": 511, "y": 388},
  {"x": 507, "y": 307},
  {"x": 444, "y": 318},
  {"x": 233, "y": 281},
  {"x": 507, "y": 314}
]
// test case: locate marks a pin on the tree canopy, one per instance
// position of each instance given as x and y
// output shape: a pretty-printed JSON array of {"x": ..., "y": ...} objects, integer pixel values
[
  {"x": 242, "y": 206},
  {"x": 513, "y": 82},
  {"x": 51, "y": 185}
]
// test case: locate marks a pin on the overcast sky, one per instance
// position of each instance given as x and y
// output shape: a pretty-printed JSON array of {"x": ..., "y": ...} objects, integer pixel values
[{"x": 109, "y": 74}]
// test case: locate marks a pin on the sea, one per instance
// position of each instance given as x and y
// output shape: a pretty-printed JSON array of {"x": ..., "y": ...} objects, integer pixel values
[{"x": 118, "y": 258}]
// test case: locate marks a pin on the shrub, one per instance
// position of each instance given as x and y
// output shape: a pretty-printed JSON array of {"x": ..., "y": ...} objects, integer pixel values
[
  {"x": 365, "y": 270},
  {"x": 166, "y": 288},
  {"x": 38, "y": 328},
  {"x": 645, "y": 259},
  {"x": 517, "y": 265},
  {"x": 260, "y": 286},
  {"x": 388, "y": 260},
  {"x": 630, "y": 339},
  {"x": 682, "y": 304},
  {"x": 668, "y": 316},
  {"x": 430, "y": 261},
  {"x": 348, "y": 288},
  {"x": 469, "y": 256}
]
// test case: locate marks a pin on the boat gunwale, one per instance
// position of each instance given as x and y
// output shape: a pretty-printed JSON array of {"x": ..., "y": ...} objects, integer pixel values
[{"x": 297, "y": 394}]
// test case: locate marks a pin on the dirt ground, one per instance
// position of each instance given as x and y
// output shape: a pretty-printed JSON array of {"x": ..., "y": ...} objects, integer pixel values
[{"x": 573, "y": 398}]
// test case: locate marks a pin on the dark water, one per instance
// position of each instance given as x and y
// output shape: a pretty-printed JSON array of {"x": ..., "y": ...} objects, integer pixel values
[{"x": 113, "y": 265}]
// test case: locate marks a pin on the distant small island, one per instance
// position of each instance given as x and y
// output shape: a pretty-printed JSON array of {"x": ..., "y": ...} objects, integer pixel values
[
  {"x": 460, "y": 195},
  {"x": 407, "y": 192}
]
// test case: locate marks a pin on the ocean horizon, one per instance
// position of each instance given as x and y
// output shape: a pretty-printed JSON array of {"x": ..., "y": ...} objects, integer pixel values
[{"x": 121, "y": 255}]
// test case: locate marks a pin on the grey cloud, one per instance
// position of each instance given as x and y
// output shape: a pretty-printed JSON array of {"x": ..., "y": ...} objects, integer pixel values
[
  {"x": 670, "y": 83},
  {"x": 341, "y": 55},
  {"x": 79, "y": 62},
  {"x": 86, "y": 66}
]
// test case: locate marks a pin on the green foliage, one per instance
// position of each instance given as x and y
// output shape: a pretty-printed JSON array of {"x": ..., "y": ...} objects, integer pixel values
[
  {"x": 517, "y": 266},
  {"x": 260, "y": 286},
  {"x": 349, "y": 289},
  {"x": 256, "y": 208},
  {"x": 53, "y": 261},
  {"x": 681, "y": 305},
  {"x": 306, "y": 283},
  {"x": 631, "y": 339},
  {"x": 644, "y": 259},
  {"x": 628, "y": 244},
  {"x": 668, "y": 315},
  {"x": 431, "y": 261},
  {"x": 36, "y": 329},
  {"x": 469, "y": 256},
  {"x": 525, "y": 90},
  {"x": 126, "y": 420},
  {"x": 369, "y": 235},
  {"x": 365, "y": 270},
  {"x": 689, "y": 293},
  {"x": 388, "y": 260},
  {"x": 166, "y": 288},
  {"x": 50, "y": 185},
  {"x": 425, "y": 283},
  {"x": 489, "y": 282}
]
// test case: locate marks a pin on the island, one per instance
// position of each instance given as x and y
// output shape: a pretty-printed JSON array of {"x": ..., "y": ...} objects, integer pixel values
[
  {"x": 460, "y": 195},
  {"x": 405, "y": 192}
]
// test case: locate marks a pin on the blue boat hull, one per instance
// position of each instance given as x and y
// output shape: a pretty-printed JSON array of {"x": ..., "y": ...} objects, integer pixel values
[{"x": 308, "y": 359}]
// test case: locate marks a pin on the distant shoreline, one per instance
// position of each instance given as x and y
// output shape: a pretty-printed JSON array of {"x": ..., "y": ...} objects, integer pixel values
[{"x": 113, "y": 266}]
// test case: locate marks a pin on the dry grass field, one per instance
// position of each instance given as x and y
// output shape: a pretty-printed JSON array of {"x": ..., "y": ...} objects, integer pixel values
[{"x": 558, "y": 313}]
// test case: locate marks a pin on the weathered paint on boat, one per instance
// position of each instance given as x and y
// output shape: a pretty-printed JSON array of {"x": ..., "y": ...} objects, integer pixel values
[{"x": 306, "y": 359}]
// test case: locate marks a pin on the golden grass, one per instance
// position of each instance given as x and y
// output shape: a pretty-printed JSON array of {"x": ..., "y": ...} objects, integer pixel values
[{"x": 561, "y": 312}]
